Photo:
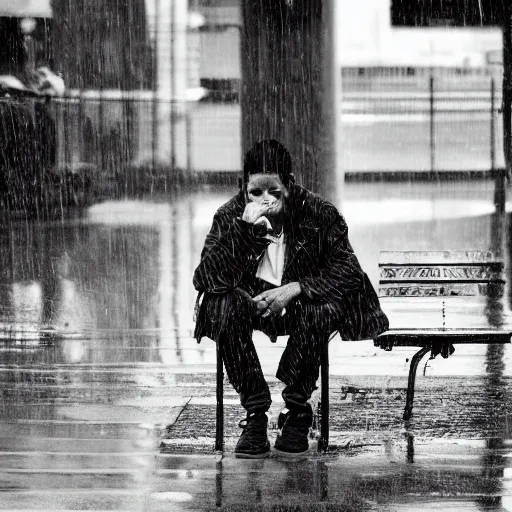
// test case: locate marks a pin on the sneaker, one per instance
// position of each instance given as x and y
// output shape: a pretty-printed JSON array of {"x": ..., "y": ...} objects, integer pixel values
[
  {"x": 293, "y": 439},
  {"x": 253, "y": 443}
]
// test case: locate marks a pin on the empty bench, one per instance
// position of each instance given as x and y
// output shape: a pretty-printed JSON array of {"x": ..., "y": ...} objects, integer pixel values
[{"x": 438, "y": 299}]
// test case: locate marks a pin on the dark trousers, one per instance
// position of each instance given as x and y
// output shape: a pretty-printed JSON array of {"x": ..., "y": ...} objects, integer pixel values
[{"x": 234, "y": 317}]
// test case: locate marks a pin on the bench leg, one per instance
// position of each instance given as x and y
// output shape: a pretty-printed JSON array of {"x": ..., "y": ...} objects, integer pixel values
[
  {"x": 219, "y": 420},
  {"x": 412, "y": 378},
  {"x": 323, "y": 442}
]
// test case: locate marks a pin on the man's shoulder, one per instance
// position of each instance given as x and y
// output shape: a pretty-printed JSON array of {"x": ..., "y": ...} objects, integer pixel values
[
  {"x": 233, "y": 207},
  {"x": 314, "y": 206}
]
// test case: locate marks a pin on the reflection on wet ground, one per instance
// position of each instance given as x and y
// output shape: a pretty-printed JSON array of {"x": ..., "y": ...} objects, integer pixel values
[
  {"x": 97, "y": 366},
  {"x": 128, "y": 264},
  {"x": 366, "y": 482}
]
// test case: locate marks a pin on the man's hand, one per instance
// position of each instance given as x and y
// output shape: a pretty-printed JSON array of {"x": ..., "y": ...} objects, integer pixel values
[
  {"x": 272, "y": 302},
  {"x": 253, "y": 213}
]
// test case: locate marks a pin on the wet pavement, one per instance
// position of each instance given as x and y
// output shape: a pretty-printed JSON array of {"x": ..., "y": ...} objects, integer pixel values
[{"x": 109, "y": 404}]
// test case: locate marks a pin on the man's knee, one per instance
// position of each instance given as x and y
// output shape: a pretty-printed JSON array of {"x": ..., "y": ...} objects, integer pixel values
[
  {"x": 227, "y": 307},
  {"x": 224, "y": 314},
  {"x": 313, "y": 319}
]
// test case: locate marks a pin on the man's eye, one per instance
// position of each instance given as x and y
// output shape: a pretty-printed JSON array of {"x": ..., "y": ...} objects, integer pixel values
[
  {"x": 255, "y": 192},
  {"x": 276, "y": 193}
]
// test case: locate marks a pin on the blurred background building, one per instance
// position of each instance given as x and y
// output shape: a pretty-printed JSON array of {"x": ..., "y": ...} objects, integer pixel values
[
  {"x": 388, "y": 37},
  {"x": 371, "y": 33},
  {"x": 135, "y": 70}
]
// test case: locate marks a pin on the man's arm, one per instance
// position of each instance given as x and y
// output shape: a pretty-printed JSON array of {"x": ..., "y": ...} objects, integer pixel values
[
  {"x": 230, "y": 247},
  {"x": 341, "y": 272}
]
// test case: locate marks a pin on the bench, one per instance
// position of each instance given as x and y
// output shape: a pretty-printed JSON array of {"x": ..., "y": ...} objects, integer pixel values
[{"x": 437, "y": 299}]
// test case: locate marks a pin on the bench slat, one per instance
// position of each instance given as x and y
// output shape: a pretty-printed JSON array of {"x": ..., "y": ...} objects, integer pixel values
[
  {"x": 455, "y": 264},
  {"x": 400, "y": 280},
  {"x": 446, "y": 289},
  {"x": 425, "y": 337},
  {"x": 437, "y": 257},
  {"x": 478, "y": 312},
  {"x": 441, "y": 273},
  {"x": 426, "y": 289}
]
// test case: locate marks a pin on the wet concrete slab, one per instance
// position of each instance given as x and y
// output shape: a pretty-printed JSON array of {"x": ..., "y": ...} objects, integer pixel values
[
  {"x": 94, "y": 442},
  {"x": 107, "y": 403},
  {"x": 375, "y": 482},
  {"x": 363, "y": 408}
]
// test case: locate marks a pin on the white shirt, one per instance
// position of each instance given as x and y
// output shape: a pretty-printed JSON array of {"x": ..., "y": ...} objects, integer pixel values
[{"x": 271, "y": 264}]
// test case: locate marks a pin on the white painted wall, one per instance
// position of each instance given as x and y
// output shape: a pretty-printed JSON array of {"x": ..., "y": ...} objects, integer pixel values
[
  {"x": 367, "y": 38},
  {"x": 28, "y": 8},
  {"x": 220, "y": 54}
]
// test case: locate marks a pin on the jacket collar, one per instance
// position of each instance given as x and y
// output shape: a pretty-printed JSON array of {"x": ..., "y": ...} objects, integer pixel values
[
  {"x": 298, "y": 225},
  {"x": 300, "y": 222}
]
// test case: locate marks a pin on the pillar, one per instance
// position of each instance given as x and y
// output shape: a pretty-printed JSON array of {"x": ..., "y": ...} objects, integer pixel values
[
  {"x": 168, "y": 28},
  {"x": 291, "y": 88},
  {"x": 507, "y": 85}
]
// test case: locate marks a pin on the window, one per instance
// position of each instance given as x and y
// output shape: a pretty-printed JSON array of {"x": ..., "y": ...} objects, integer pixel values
[{"x": 446, "y": 13}]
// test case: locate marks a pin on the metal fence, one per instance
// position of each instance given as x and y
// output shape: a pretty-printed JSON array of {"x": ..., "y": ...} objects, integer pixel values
[
  {"x": 140, "y": 138},
  {"x": 119, "y": 132},
  {"x": 433, "y": 124},
  {"x": 440, "y": 124},
  {"x": 399, "y": 78},
  {"x": 135, "y": 138}
]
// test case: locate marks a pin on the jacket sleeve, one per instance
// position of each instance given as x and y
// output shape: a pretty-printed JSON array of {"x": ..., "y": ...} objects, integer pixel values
[
  {"x": 341, "y": 271},
  {"x": 230, "y": 247}
]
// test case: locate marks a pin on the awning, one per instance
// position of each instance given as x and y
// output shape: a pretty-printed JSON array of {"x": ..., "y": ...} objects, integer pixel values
[{"x": 26, "y": 8}]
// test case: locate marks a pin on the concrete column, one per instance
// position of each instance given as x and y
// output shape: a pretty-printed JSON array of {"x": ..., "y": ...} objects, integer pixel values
[
  {"x": 507, "y": 86},
  {"x": 330, "y": 173},
  {"x": 168, "y": 27},
  {"x": 179, "y": 47},
  {"x": 291, "y": 86}
]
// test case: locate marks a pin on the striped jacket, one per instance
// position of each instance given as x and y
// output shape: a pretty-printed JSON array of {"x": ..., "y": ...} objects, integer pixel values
[{"x": 318, "y": 255}]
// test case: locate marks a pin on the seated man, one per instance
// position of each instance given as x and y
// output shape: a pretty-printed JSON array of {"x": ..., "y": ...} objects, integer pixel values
[{"x": 278, "y": 259}]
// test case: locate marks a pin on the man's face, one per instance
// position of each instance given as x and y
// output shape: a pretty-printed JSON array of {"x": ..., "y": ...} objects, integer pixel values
[{"x": 267, "y": 190}]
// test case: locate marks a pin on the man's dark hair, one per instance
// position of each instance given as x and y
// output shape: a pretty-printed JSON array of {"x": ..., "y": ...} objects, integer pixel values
[{"x": 268, "y": 157}]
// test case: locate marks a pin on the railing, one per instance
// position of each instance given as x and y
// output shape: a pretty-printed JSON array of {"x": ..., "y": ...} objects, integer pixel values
[
  {"x": 384, "y": 79},
  {"x": 135, "y": 138},
  {"x": 434, "y": 129},
  {"x": 393, "y": 78},
  {"x": 141, "y": 140}
]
